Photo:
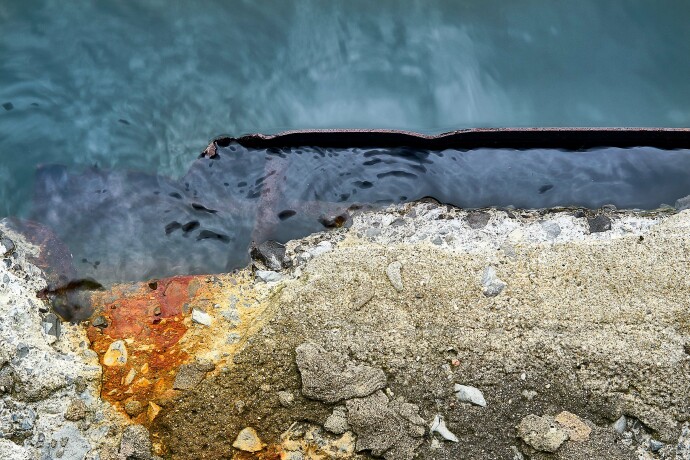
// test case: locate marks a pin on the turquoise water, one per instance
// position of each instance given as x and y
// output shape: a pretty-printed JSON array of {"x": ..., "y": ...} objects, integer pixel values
[{"x": 144, "y": 85}]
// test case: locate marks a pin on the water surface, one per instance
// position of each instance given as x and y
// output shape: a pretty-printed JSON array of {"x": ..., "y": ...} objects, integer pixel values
[{"x": 145, "y": 84}]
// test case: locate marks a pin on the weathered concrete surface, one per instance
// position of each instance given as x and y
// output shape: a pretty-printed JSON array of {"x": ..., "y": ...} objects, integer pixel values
[
  {"x": 587, "y": 326},
  {"x": 595, "y": 324},
  {"x": 49, "y": 378},
  {"x": 152, "y": 345}
]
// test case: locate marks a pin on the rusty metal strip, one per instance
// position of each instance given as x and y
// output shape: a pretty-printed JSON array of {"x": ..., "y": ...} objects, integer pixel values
[{"x": 517, "y": 138}]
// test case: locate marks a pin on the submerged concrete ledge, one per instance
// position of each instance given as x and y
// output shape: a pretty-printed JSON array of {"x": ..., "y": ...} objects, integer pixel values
[{"x": 420, "y": 331}]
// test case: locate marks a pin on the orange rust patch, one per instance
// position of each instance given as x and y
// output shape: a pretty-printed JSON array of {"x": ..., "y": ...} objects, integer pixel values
[{"x": 149, "y": 334}]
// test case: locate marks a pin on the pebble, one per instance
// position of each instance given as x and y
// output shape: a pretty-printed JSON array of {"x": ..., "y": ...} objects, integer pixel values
[
  {"x": 492, "y": 284},
  {"x": 321, "y": 248},
  {"x": 477, "y": 219},
  {"x": 331, "y": 377},
  {"x": 231, "y": 315},
  {"x": 552, "y": 229},
  {"x": 655, "y": 446},
  {"x": 8, "y": 246},
  {"x": 270, "y": 253},
  {"x": 600, "y": 223},
  {"x": 135, "y": 443},
  {"x": 438, "y": 425},
  {"x": 268, "y": 276},
  {"x": 286, "y": 398},
  {"x": 578, "y": 431},
  {"x": 76, "y": 410},
  {"x": 334, "y": 220},
  {"x": 529, "y": 394},
  {"x": 51, "y": 325},
  {"x": 542, "y": 433},
  {"x": 372, "y": 232},
  {"x": 394, "y": 275},
  {"x": 116, "y": 354},
  {"x": 470, "y": 394},
  {"x": 248, "y": 440},
  {"x": 201, "y": 317},
  {"x": 232, "y": 338},
  {"x": 336, "y": 423},
  {"x": 133, "y": 408},
  {"x": 190, "y": 375},
  {"x": 152, "y": 411},
  {"x": 620, "y": 425},
  {"x": 100, "y": 321}
]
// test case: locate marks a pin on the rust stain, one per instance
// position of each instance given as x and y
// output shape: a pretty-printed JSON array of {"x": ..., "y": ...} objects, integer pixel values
[{"x": 146, "y": 333}]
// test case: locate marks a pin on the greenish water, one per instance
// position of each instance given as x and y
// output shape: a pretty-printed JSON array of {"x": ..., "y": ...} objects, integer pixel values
[{"x": 146, "y": 84}]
